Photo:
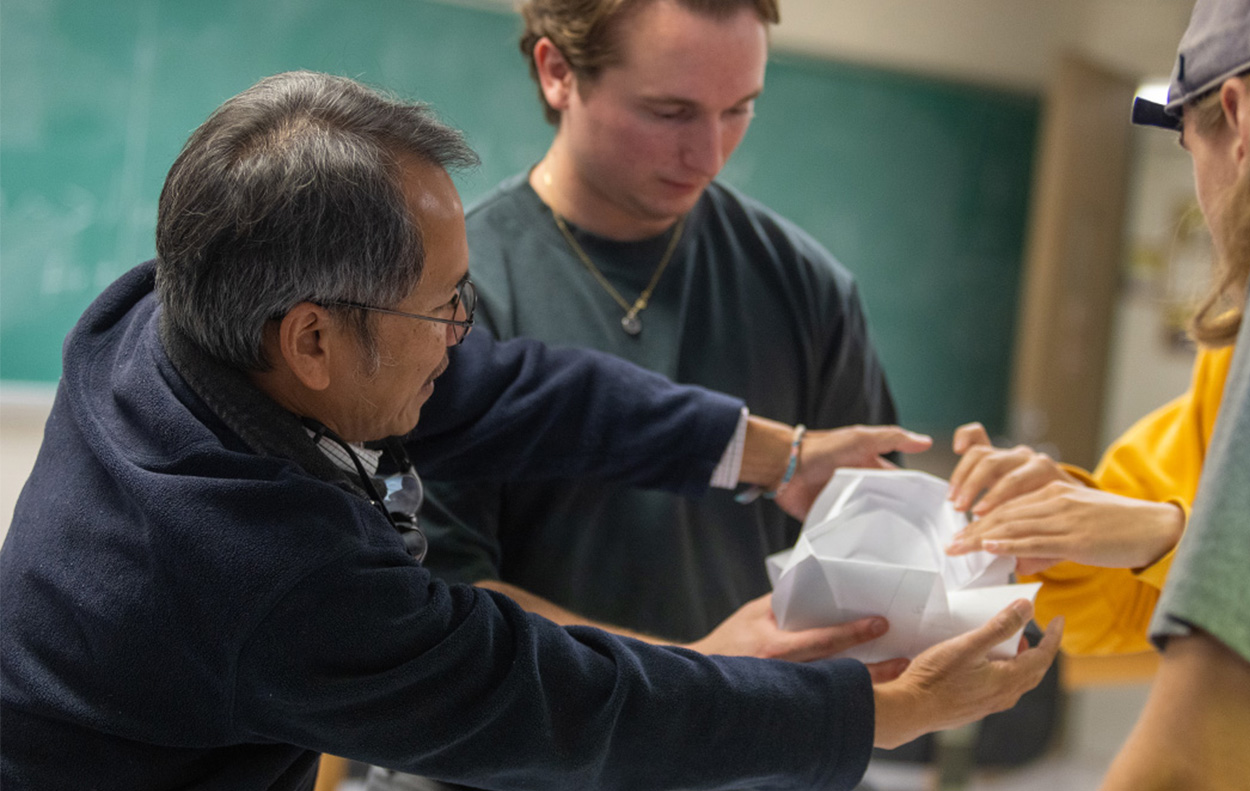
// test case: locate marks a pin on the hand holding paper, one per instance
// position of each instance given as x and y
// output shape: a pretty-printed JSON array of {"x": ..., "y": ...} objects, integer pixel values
[
  {"x": 825, "y": 451},
  {"x": 873, "y": 544},
  {"x": 955, "y": 683},
  {"x": 752, "y": 630}
]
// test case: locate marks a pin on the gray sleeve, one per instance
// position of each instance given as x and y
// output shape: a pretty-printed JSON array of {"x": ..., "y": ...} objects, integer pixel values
[{"x": 1209, "y": 584}]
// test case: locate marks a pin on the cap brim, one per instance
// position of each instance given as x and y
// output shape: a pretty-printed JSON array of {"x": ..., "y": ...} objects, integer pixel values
[{"x": 1148, "y": 113}]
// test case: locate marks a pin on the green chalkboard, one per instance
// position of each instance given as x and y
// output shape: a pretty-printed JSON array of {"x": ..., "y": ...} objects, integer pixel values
[{"x": 919, "y": 186}]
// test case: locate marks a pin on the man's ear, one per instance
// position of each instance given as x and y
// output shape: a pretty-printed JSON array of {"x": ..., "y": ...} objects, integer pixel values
[
  {"x": 555, "y": 76},
  {"x": 305, "y": 343}
]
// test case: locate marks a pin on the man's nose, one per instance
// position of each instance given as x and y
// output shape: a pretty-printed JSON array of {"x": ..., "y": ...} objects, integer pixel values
[{"x": 703, "y": 149}]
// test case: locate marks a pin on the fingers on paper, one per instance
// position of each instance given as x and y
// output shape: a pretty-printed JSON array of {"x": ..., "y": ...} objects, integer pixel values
[
  {"x": 968, "y": 435},
  {"x": 1026, "y": 527},
  {"x": 1001, "y": 473},
  {"x": 826, "y": 641}
]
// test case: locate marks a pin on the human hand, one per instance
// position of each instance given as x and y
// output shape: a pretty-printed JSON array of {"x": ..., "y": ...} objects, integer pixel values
[
  {"x": 1063, "y": 521},
  {"x": 823, "y": 452},
  {"x": 753, "y": 631},
  {"x": 1002, "y": 473},
  {"x": 954, "y": 682}
]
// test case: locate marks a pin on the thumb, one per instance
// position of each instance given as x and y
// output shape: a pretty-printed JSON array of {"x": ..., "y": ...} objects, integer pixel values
[
  {"x": 1007, "y": 622},
  {"x": 880, "y": 440},
  {"x": 888, "y": 670}
]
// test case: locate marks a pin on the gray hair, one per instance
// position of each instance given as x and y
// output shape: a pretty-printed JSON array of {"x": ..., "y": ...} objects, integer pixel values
[{"x": 291, "y": 192}]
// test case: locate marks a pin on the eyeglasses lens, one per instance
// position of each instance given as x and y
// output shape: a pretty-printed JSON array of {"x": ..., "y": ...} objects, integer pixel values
[{"x": 465, "y": 308}]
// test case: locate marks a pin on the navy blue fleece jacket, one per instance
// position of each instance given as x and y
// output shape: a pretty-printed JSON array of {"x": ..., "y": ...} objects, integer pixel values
[{"x": 192, "y": 597}]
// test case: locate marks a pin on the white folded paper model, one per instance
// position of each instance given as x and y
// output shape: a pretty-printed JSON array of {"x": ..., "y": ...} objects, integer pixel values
[{"x": 873, "y": 544}]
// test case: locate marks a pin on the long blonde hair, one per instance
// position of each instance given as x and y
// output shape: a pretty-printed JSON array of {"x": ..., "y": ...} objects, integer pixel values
[{"x": 1219, "y": 314}]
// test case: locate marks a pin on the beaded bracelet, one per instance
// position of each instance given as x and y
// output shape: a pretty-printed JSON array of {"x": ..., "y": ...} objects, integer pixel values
[{"x": 792, "y": 466}]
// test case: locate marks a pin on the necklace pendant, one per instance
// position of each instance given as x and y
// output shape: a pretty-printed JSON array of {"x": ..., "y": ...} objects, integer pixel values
[{"x": 631, "y": 324}]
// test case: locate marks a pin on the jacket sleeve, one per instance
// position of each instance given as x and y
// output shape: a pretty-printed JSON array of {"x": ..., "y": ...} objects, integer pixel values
[
  {"x": 460, "y": 684},
  {"x": 1160, "y": 458},
  {"x": 520, "y": 410}
]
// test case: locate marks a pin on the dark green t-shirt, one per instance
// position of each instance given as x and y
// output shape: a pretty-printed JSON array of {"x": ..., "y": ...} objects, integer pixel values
[{"x": 749, "y": 305}]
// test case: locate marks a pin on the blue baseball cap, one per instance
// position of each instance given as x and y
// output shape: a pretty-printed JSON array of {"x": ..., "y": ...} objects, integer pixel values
[{"x": 1216, "y": 46}]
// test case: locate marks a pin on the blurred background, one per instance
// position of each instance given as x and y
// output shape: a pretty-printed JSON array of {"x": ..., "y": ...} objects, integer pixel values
[{"x": 1027, "y": 258}]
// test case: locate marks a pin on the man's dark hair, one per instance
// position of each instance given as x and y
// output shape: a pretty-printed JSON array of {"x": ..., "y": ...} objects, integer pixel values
[{"x": 292, "y": 191}]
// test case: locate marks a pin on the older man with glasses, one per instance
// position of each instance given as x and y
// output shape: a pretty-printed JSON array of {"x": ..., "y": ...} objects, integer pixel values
[{"x": 203, "y": 586}]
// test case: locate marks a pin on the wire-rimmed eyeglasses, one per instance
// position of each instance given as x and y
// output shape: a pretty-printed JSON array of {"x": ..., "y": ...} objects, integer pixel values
[{"x": 464, "y": 302}]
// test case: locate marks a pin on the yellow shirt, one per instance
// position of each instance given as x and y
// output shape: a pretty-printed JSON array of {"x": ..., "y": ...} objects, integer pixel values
[{"x": 1107, "y": 611}]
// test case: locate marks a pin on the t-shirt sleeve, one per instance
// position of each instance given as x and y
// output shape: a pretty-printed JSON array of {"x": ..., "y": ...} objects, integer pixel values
[
  {"x": 855, "y": 388},
  {"x": 1209, "y": 587}
]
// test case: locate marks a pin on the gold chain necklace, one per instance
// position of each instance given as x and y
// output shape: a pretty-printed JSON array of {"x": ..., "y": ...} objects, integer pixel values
[{"x": 630, "y": 321}]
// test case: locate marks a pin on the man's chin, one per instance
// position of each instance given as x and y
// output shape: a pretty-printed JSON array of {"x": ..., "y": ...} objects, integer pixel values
[{"x": 421, "y": 399}]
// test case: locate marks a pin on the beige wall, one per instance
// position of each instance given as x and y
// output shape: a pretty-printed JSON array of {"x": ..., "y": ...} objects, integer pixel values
[
  {"x": 1147, "y": 366},
  {"x": 22, "y": 415},
  {"x": 1014, "y": 43}
]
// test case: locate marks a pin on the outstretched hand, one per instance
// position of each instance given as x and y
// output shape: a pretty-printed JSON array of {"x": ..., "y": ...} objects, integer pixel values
[
  {"x": 1002, "y": 473},
  {"x": 823, "y": 452},
  {"x": 753, "y": 631},
  {"x": 1062, "y": 521},
  {"x": 954, "y": 682}
]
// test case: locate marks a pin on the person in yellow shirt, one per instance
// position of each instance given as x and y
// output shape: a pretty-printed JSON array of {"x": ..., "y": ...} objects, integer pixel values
[
  {"x": 1191, "y": 735},
  {"x": 1102, "y": 544}
]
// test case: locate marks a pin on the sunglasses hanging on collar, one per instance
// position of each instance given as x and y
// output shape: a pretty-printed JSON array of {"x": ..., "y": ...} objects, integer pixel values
[{"x": 397, "y": 495}]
